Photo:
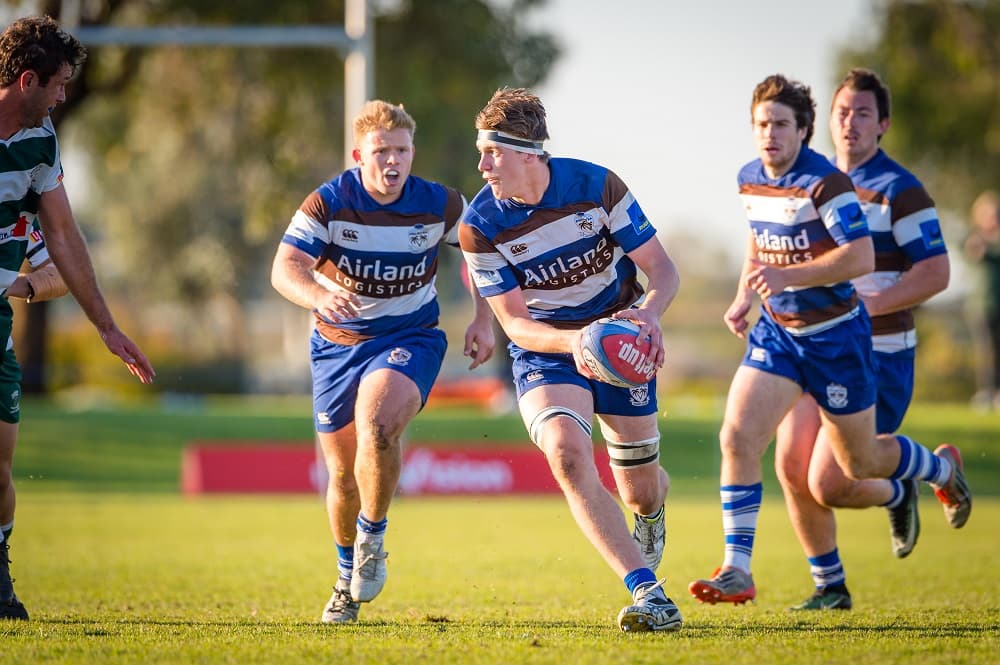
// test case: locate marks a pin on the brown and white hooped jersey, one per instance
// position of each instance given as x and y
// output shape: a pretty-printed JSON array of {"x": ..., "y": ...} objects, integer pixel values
[{"x": 385, "y": 254}]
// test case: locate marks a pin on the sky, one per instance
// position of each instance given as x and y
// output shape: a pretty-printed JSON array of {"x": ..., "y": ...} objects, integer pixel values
[{"x": 659, "y": 92}]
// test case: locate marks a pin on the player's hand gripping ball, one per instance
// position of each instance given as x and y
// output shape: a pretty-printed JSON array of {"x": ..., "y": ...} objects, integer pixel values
[{"x": 612, "y": 352}]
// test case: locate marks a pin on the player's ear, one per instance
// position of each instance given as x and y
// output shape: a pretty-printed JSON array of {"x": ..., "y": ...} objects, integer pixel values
[
  {"x": 28, "y": 78},
  {"x": 356, "y": 156}
]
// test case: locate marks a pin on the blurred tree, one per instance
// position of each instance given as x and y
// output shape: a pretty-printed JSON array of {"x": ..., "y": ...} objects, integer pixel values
[
  {"x": 199, "y": 156},
  {"x": 941, "y": 59}
]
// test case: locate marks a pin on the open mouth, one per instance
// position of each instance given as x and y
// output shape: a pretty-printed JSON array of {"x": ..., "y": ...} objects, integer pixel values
[{"x": 392, "y": 177}]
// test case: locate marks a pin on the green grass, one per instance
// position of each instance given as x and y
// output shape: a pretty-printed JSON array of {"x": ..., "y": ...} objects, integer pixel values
[{"x": 115, "y": 567}]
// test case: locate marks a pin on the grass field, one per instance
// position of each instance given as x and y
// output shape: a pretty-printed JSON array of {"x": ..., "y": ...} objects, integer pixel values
[{"x": 116, "y": 567}]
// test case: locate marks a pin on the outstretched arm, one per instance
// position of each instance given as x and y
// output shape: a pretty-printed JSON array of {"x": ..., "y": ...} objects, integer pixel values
[{"x": 68, "y": 250}]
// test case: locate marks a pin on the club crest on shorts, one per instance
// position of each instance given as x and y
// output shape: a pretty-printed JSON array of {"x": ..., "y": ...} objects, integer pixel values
[
  {"x": 399, "y": 356},
  {"x": 639, "y": 395},
  {"x": 836, "y": 396}
]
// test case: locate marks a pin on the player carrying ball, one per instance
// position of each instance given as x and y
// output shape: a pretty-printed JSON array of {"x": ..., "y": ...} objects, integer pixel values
[{"x": 554, "y": 244}]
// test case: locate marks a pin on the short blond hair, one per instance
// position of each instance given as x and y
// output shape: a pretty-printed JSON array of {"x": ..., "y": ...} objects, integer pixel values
[{"x": 378, "y": 114}]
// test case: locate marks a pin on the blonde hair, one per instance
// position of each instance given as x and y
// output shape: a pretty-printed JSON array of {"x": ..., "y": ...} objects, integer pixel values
[{"x": 378, "y": 114}]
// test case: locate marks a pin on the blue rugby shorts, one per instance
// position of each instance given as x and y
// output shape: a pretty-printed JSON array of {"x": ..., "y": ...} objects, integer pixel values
[
  {"x": 836, "y": 366},
  {"x": 532, "y": 369},
  {"x": 337, "y": 369}
]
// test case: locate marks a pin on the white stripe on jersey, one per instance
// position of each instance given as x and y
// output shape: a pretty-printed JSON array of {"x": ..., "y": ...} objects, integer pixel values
[
  {"x": 7, "y": 278},
  {"x": 895, "y": 342},
  {"x": 828, "y": 211},
  {"x": 785, "y": 210},
  {"x": 874, "y": 282},
  {"x": 618, "y": 218},
  {"x": 907, "y": 228}
]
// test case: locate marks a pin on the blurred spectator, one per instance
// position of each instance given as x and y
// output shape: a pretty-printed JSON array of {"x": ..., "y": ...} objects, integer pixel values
[{"x": 982, "y": 248}]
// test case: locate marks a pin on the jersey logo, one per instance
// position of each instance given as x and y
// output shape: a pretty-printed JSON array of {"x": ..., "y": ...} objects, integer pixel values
[
  {"x": 350, "y": 235},
  {"x": 418, "y": 238},
  {"x": 931, "y": 232},
  {"x": 585, "y": 222},
  {"x": 519, "y": 248}
]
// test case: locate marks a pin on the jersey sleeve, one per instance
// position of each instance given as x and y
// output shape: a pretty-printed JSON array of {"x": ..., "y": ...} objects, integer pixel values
[
  {"x": 915, "y": 225},
  {"x": 491, "y": 273},
  {"x": 454, "y": 212},
  {"x": 36, "y": 253},
  {"x": 838, "y": 206},
  {"x": 308, "y": 231},
  {"x": 628, "y": 223}
]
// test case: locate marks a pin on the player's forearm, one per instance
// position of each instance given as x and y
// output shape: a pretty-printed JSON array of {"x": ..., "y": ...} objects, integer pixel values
[
  {"x": 537, "y": 336},
  {"x": 842, "y": 264},
  {"x": 924, "y": 280}
]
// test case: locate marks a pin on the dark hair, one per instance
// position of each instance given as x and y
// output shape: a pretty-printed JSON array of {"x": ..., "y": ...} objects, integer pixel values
[
  {"x": 37, "y": 43},
  {"x": 797, "y": 96},
  {"x": 515, "y": 111},
  {"x": 862, "y": 79}
]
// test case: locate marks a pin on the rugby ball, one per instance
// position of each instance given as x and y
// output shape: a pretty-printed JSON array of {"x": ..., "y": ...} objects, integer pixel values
[{"x": 613, "y": 353}]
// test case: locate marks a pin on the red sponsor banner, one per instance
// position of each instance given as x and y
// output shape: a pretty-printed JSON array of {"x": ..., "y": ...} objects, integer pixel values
[{"x": 254, "y": 467}]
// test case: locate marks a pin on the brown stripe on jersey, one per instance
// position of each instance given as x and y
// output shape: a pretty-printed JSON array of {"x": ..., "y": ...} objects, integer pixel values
[
  {"x": 871, "y": 196},
  {"x": 813, "y": 316},
  {"x": 332, "y": 333},
  {"x": 540, "y": 218},
  {"x": 771, "y": 190},
  {"x": 786, "y": 257},
  {"x": 895, "y": 322},
  {"x": 315, "y": 207},
  {"x": 376, "y": 288},
  {"x": 628, "y": 295},
  {"x": 561, "y": 276},
  {"x": 910, "y": 201},
  {"x": 830, "y": 187},
  {"x": 452, "y": 209},
  {"x": 473, "y": 241},
  {"x": 382, "y": 217},
  {"x": 614, "y": 191},
  {"x": 892, "y": 261}
]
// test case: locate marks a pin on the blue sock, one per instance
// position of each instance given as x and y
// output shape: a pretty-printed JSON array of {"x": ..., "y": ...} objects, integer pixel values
[
  {"x": 366, "y": 525},
  {"x": 918, "y": 462},
  {"x": 827, "y": 569},
  {"x": 638, "y": 577},
  {"x": 345, "y": 561},
  {"x": 740, "y": 507},
  {"x": 897, "y": 494}
]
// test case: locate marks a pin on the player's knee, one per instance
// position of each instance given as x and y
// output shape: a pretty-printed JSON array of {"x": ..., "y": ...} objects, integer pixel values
[
  {"x": 567, "y": 461},
  {"x": 6, "y": 477}
]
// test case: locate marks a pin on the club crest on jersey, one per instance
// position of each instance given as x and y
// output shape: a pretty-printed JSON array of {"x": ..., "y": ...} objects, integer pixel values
[
  {"x": 791, "y": 209},
  {"x": 418, "y": 238},
  {"x": 585, "y": 222},
  {"x": 836, "y": 396},
  {"x": 639, "y": 396},
  {"x": 399, "y": 356}
]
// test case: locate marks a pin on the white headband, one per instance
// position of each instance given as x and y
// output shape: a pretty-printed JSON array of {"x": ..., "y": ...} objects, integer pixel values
[{"x": 511, "y": 141}]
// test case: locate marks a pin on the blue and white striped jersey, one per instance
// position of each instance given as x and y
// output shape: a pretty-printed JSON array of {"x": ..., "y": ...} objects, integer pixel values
[
  {"x": 568, "y": 252},
  {"x": 905, "y": 229},
  {"x": 386, "y": 254},
  {"x": 807, "y": 212}
]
